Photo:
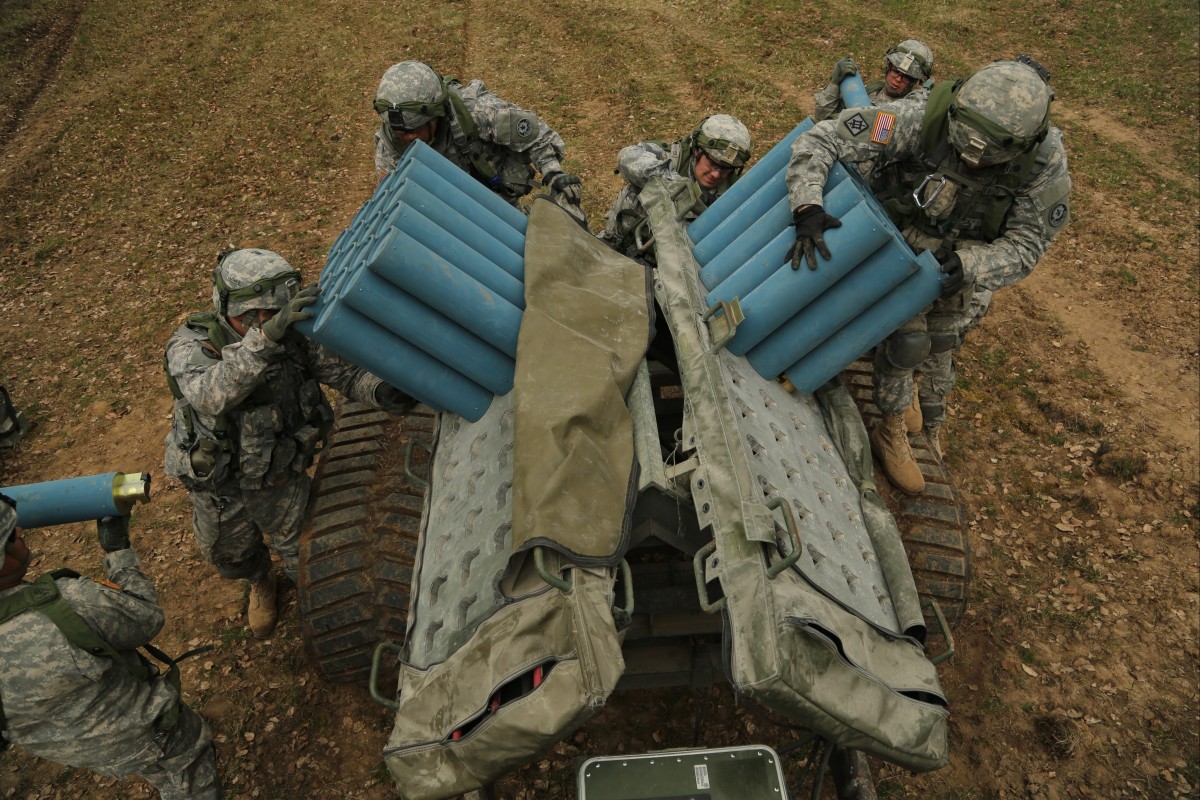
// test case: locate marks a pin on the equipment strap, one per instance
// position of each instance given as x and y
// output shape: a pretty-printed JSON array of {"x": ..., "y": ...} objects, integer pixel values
[{"x": 466, "y": 136}]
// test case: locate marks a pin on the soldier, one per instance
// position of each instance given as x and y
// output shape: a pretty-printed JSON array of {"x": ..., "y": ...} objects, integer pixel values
[
  {"x": 907, "y": 71},
  {"x": 496, "y": 142},
  {"x": 705, "y": 163},
  {"x": 249, "y": 414},
  {"x": 976, "y": 174},
  {"x": 73, "y": 687}
]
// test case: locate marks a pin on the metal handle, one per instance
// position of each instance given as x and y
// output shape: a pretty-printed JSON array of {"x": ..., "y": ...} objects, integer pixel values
[
  {"x": 375, "y": 659},
  {"x": 790, "y": 521},
  {"x": 627, "y": 577},
  {"x": 701, "y": 584},
  {"x": 945, "y": 630},
  {"x": 641, "y": 230},
  {"x": 539, "y": 561},
  {"x": 408, "y": 456},
  {"x": 722, "y": 329}
]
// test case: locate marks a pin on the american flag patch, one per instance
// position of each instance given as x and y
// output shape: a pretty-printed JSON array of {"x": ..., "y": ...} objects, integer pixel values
[{"x": 884, "y": 122}]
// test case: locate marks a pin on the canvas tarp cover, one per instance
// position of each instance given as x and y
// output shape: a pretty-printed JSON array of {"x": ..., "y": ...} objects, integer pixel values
[{"x": 585, "y": 329}]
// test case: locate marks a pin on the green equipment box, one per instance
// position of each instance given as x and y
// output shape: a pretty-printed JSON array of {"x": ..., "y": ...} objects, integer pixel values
[{"x": 722, "y": 773}]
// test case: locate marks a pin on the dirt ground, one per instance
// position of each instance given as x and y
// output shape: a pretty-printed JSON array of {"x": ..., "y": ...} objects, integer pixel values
[{"x": 138, "y": 139}]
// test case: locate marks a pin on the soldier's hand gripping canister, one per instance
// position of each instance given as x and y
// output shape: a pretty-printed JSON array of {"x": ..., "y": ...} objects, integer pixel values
[
  {"x": 811, "y": 223},
  {"x": 113, "y": 533},
  {"x": 277, "y": 326}
]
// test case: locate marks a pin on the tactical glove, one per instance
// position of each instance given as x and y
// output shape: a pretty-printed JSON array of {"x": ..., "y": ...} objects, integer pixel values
[
  {"x": 392, "y": 400},
  {"x": 952, "y": 268},
  {"x": 277, "y": 326},
  {"x": 843, "y": 69},
  {"x": 811, "y": 223},
  {"x": 113, "y": 533},
  {"x": 564, "y": 186}
]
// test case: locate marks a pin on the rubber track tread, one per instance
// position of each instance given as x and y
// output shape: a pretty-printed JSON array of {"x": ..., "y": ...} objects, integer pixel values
[
  {"x": 933, "y": 524},
  {"x": 359, "y": 539}
]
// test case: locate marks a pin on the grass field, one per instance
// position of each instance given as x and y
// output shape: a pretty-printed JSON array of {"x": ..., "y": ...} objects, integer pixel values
[{"x": 141, "y": 138}]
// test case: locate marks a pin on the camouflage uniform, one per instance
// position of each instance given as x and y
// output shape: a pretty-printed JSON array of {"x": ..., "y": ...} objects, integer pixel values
[
  {"x": 673, "y": 162},
  {"x": 264, "y": 399},
  {"x": 64, "y": 704},
  {"x": 828, "y": 102},
  {"x": 511, "y": 140},
  {"x": 889, "y": 154}
]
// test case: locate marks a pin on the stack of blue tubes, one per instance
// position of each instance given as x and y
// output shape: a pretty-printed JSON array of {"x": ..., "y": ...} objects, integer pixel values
[
  {"x": 425, "y": 288},
  {"x": 805, "y": 324}
]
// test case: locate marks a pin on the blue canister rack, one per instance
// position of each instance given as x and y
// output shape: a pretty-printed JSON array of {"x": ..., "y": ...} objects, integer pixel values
[
  {"x": 425, "y": 288},
  {"x": 808, "y": 324}
]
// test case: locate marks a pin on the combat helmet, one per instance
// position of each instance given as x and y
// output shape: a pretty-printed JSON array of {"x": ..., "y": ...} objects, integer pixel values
[
  {"x": 998, "y": 113},
  {"x": 409, "y": 95},
  {"x": 724, "y": 139},
  {"x": 251, "y": 278},
  {"x": 911, "y": 58}
]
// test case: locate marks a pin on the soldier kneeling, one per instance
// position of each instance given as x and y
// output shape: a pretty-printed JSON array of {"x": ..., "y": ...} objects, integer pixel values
[{"x": 74, "y": 689}]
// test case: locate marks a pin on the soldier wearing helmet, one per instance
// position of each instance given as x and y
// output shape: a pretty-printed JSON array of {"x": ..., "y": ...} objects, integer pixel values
[
  {"x": 249, "y": 415},
  {"x": 907, "y": 71},
  {"x": 64, "y": 696},
  {"x": 498, "y": 143},
  {"x": 701, "y": 166},
  {"x": 976, "y": 174}
]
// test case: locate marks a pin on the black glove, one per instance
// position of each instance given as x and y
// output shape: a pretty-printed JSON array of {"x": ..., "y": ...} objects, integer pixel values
[
  {"x": 811, "y": 223},
  {"x": 843, "y": 69},
  {"x": 392, "y": 400},
  {"x": 564, "y": 185},
  {"x": 277, "y": 326},
  {"x": 953, "y": 270},
  {"x": 113, "y": 533}
]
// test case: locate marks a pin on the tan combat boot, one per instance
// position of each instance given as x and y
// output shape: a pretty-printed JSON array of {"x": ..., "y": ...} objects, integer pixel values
[
  {"x": 913, "y": 419},
  {"x": 262, "y": 613},
  {"x": 934, "y": 434},
  {"x": 889, "y": 443}
]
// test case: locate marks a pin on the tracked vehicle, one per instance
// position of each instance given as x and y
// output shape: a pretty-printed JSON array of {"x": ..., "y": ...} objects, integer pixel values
[{"x": 638, "y": 507}]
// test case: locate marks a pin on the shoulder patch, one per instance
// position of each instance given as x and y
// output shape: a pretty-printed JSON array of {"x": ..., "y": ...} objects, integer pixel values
[
  {"x": 1057, "y": 215},
  {"x": 514, "y": 126},
  {"x": 885, "y": 122},
  {"x": 855, "y": 124}
]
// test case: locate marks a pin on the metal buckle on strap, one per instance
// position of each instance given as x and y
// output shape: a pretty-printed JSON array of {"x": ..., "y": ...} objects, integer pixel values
[{"x": 916, "y": 195}]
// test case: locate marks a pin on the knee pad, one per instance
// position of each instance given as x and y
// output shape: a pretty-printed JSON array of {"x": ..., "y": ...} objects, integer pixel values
[
  {"x": 941, "y": 341},
  {"x": 256, "y": 565},
  {"x": 907, "y": 349}
]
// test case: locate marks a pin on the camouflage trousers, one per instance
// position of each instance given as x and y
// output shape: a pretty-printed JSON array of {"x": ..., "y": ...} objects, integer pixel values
[
  {"x": 231, "y": 523},
  {"x": 188, "y": 766},
  {"x": 946, "y": 321}
]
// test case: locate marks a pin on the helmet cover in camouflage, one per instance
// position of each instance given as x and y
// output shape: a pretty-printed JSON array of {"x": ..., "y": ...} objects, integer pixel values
[
  {"x": 409, "y": 95},
  {"x": 8, "y": 521},
  {"x": 724, "y": 139},
  {"x": 250, "y": 279},
  {"x": 911, "y": 58},
  {"x": 1000, "y": 111}
]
